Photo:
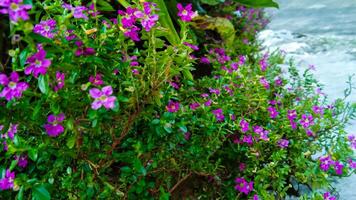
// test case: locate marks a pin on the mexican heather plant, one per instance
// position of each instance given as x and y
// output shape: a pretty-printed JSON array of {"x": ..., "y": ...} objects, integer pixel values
[{"x": 108, "y": 101}]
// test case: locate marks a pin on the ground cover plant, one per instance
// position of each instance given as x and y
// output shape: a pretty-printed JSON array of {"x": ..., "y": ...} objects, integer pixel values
[{"x": 160, "y": 100}]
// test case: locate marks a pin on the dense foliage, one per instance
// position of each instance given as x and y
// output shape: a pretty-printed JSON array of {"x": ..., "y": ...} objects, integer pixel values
[{"x": 155, "y": 100}]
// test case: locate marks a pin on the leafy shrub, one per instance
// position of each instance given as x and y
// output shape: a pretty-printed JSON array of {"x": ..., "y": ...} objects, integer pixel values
[{"x": 157, "y": 101}]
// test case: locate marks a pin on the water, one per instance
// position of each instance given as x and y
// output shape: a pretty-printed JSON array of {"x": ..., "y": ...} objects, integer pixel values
[{"x": 321, "y": 33}]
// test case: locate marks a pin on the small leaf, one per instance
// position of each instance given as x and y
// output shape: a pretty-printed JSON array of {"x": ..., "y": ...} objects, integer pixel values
[
  {"x": 43, "y": 84},
  {"x": 168, "y": 127},
  {"x": 259, "y": 3},
  {"x": 23, "y": 56},
  {"x": 33, "y": 154},
  {"x": 40, "y": 193},
  {"x": 104, "y": 6},
  {"x": 71, "y": 142}
]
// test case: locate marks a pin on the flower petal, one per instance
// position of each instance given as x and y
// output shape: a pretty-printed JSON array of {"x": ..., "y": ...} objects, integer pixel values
[{"x": 95, "y": 93}]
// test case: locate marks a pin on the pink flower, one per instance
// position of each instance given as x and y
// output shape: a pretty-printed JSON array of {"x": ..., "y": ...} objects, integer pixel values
[
  {"x": 243, "y": 186},
  {"x": 208, "y": 103},
  {"x": 102, "y": 98},
  {"x": 15, "y": 9},
  {"x": 173, "y": 106},
  {"x": 96, "y": 80},
  {"x": 46, "y": 28},
  {"x": 59, "y": 80},
  {"x": 54, "y": 126},
  {"x": 12, "y": 87},
  {"x": 352, "y": 164},
  {"x": 185, "y": 13},
  {"x": 38, "y": 64}
]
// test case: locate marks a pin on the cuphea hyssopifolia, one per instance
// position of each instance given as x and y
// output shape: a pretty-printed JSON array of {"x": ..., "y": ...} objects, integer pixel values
[{"x": 111, "y": 103}]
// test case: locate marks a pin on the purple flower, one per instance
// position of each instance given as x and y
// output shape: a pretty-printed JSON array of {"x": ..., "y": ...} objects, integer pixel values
[
  {"x": 192, "y": 46},
  {"x": 96, "y": 80},
  {"x": 102, "y": 98},
  {"x": 273, "y": 113},
  {"x": 54, "y": 126},
  {"x": 214, "y": 91},
  {"x": 242, "y": 167},
  {"x": 318, "y": 110},
  {"x": 338, "y": 167},
  {"x": 79, "y": 12},
  {"x": 85, "y": 51},
  {"x": 12, "y": 87},
  {"x": 309, "y": 133},
  {"x": 69, "y": 35},
  {"x": 219, "y": 114},
  {"x": 194, "y": 106},
  {"x": 174, "y": 85},
  {"x": 255, "y": 197},
  {"x": 264, "y": 82},
  {"x": 244, "y": 126},
  {"x": 247, "y": 139},
  {"x": 185, "y": 13},
  {"x": 263, "y": 62},
  {"x": 15, "y": 9},
  {"x": 204, "y": 60},
  {"x": 278, "y": 81},
  {"x": 46, "y": 28},
  {"x": 21, "y": 161},
  {"x": 325, "y": 162},
  {"x": 132, "y": 33},
  {"x": 173, "y": 106},
  {"x": 38, "y": 64},
  {"x": 208, "y": 103},
  {"x": 233, "y": 117},
  {"x": 148, "y": 20},
  {"x": 59, "y": 81},
  {"x": 92, "y": 11},
  {"x": 283, "y": 143},
  {"x": 327, "y": 196},
  {"x": 352, "y": 164},
  {"x": 243, "y": 186},
  {"x": 8, "y": 181},
  {"x": 293, "y": 124},
  {"x": 306, "y": 121},
  {"x": 12, "y": 131},
  {"x": 292, "y": 114}
]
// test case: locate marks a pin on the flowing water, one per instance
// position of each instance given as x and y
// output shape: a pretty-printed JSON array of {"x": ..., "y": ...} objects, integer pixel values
[{"x": 320, "y": 33}]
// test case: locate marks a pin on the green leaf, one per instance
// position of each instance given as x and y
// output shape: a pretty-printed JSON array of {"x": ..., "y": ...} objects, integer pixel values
[
  {"x": 43, "y": 84},
  {"x": 212, "y": 2},
  {"x": 23, "y": 56},
  {"x": 19, "y": 195},
  {"x": 258, "y": 3},
  {"x": 71, "y": 142},
  {"x": 104, "y": 6},
  {"x": 33, "y": 154},
  {"x": 168, "y": 127},
  {"x": 40, "y": 193},
  {"x": 166, "y": 21},
  {"x": 40, "y": 38},
  {"x": 183, "y": 128}
]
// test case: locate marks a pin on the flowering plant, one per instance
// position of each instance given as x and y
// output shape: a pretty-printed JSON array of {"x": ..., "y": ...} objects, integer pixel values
[{"x": 146, "y": 100}]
